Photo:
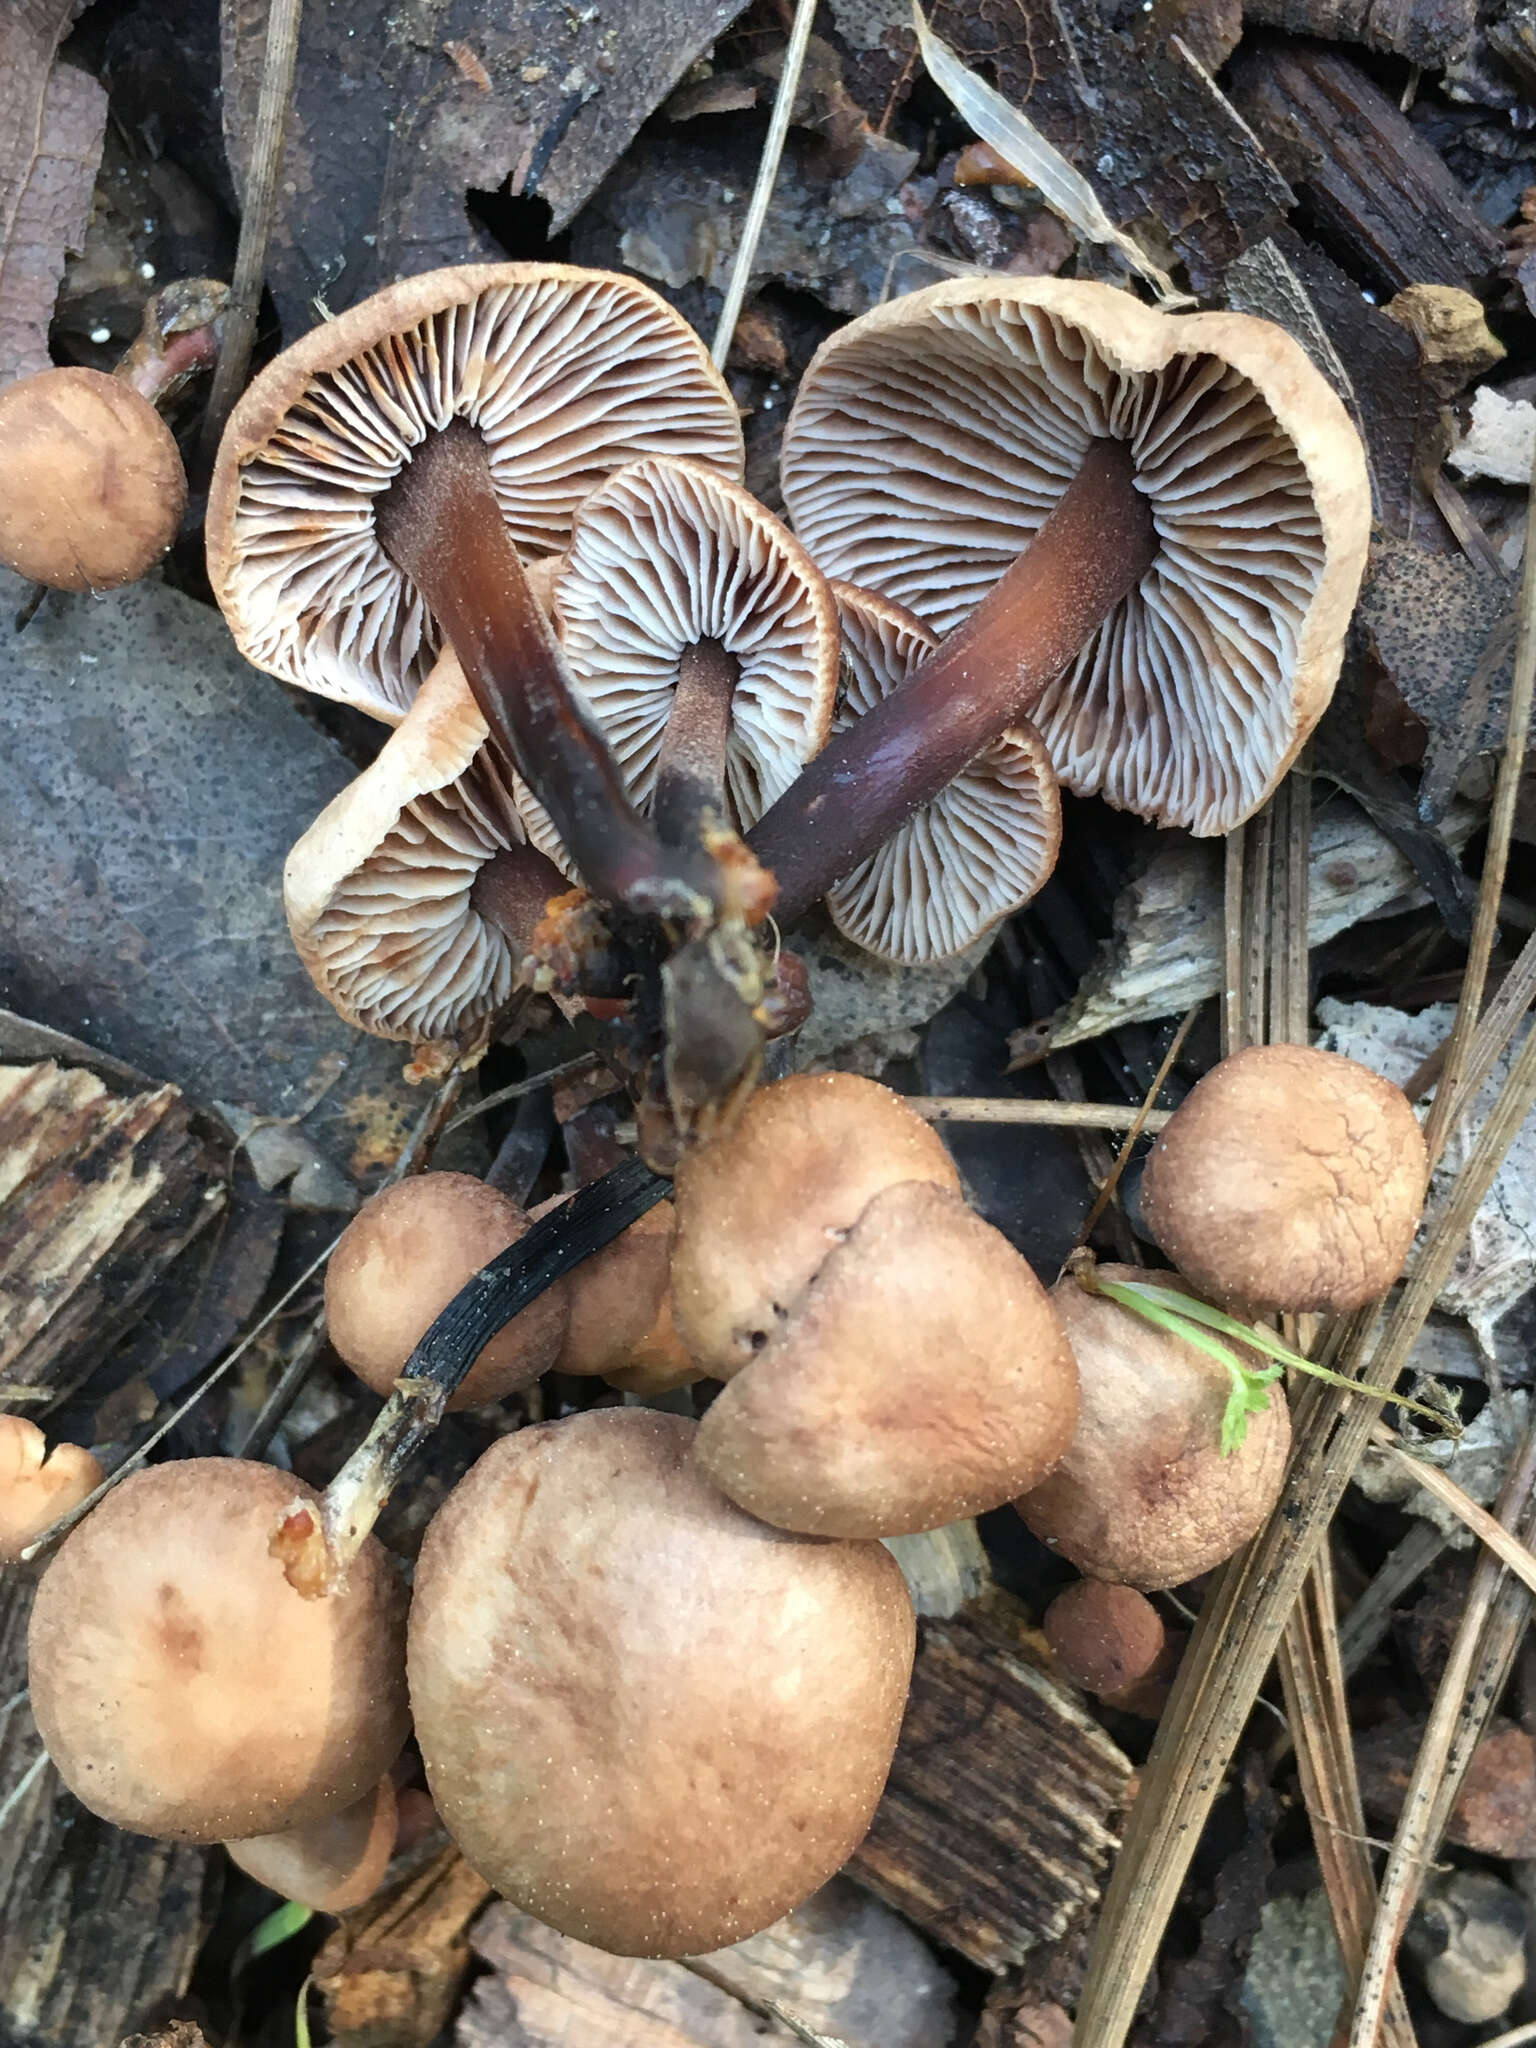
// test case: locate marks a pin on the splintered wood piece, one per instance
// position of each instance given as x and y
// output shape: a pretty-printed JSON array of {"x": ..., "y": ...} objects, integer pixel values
[
  {"x": 1376, "y": 190},
  {"x": 391, "y": 1974},
  {"x": 1426, "y": 32},
  {"x": 998, "y": 1819},
  {"x": 99, "y": 1192}
]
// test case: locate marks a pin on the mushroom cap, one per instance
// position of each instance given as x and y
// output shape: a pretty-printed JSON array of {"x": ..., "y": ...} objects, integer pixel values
[
  {"x": 1107, "y": 1637},
  {"x": 402, "y": 1259},
  {"x": 667, "y": 554},
  {"x": 331, "y": 1864},
  {"x": 1289, "y": 1178},
  {"x": 182, "y": 1686},
  {"x": 1143, "y": 1495},
  {"x": 660, "y": 1362},
  {"x": 566, "y": 373},
  {"x": 380, "y": 891},
  {"x": 921, "y": 1378},
  {"x": 932, "y": 437},
  {"x": 616, "y": 1296},
  {"x": 647, "y": 1719},
  {"x": 984, "y": 846},
  {"x": 91, "y": 484},
  {"x": 759, "y": 1209},
  {"x": 37, "y": 1485}
]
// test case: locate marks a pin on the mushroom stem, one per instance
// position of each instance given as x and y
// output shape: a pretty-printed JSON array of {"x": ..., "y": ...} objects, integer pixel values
[
  {"x": 690, "y": 770},
  {"x": 315, "y": 1547},
  {"x": 441, "y": 525},
  {"x": 513, "y": 892},
  {"x": 1091, "y": 552}
]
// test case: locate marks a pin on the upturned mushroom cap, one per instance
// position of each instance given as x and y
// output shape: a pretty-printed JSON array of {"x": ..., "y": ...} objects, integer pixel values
[
  {"x": 646, "y": 1718},
  {"x": 759, "y": 1209},
  {"x": 1143, "y": 1495},
  {"x": 381, "y": 890},
  {"x": 984, "y": 846},
  {"x": 1108, "y": 1638},
  {"x": 402, "y": 1259},
  {"x": 182, "y": 1686},
  {"x": 1289, "y": 1178},
  {"x": 331, "y": 1864},
  {"x": 566, "y": 374},
  {"x": 37, "y": 1485},
  {"x": 664, "y": 556},
  {"x": 922, "y": 1377},
  {"x": 91, "y": 484},
  {"x": 932, "y": 437}
]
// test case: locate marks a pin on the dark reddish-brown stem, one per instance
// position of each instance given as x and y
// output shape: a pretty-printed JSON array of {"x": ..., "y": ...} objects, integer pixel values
[
  {"x": 512, "y": 892},
  {"x": 690, "y": 769},
  {"x": 868, "y": 780},
  {"x": 440, "y": 524},
  {"x": 180, "y": 334}
]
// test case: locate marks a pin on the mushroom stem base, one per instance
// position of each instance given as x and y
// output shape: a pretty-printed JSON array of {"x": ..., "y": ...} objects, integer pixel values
[{"x": 870, "y": 778}]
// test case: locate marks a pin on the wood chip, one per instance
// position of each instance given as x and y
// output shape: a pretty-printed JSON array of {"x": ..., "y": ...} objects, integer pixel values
[{"x": 392, "y": 1972}]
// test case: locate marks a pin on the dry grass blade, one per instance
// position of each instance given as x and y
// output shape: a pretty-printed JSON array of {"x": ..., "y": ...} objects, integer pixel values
[
  {"x": 1003, "y": 1109},
  {"x": 1488, "y": 1530},
  {"x": 1143, "y": 1122}
]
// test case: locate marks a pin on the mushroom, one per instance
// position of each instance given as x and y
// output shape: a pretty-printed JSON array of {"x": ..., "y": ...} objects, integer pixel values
[
  {"x": 620, "y": 1322},
  {"x": 331, "y": 1864},
  {"x": 1143, "y": 531},
  {"x": 402, "y": 1259},
  {"x": 37, "y": 1486},
  {"x": 412, "y": 899},
  {"x": 1289, "y": 1178},
  {"x": 1143, "y": 1495},
  {"x": 376, "y": 483},
  {"x": 647, "y": 1719},
  {"x": 1108, "y": 1638},
  {"x": 181, "y": 1685},
  {"x": 973, "y": 854},
  {"x": 91, "y": 484},
  {"x": 703, "y": 639}
]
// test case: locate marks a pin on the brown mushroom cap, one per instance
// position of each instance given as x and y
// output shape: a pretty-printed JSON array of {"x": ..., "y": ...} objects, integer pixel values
[
  {"x": 182, "y": 1686},
  {"x": 330, "y": 1864},
  {"x": 922, "y": 1377},
  {"x": 37, "y": 1485},
  {"x": 759, "y": 1209},
  {"x": 402, "y": 1259},
  {"x": 646, "y": 1718},
  {"x": 91, "y": 484},
  {"x": 985, "y": 845},
  {"x": 1107, "y": 1637},
  {"x": 1143, "y": 1495},
  {"x": 617, "y": 1298},
  {"x": 932, "y": 437},
  {"x": 1289, "y": 1178},
  {"x": 566, "y": 375}
]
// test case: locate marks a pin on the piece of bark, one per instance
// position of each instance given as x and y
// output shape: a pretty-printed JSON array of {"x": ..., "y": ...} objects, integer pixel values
[
  {"x": 997, "y": 1823},
  {"x": 1166, "y": 950},
  {"x": 392, "y": 1972},
  {"x": 1495, "y": 1812},
  {"x": 52, "y": 119},
  {"x": 1427, "y": 32},
  {"x": 99, "y": 1193},
  {"x": 536, "y": 101},
  {"x": 1378, "y": 195},
  {"x": 174, "y": 2034},
  {"x": 99, "y": 1929}
]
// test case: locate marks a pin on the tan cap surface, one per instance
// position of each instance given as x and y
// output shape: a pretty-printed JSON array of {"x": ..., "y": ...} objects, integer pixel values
[
  {"x": 331, "y": 1864},
  {"x": 646, "y": 1718},
  {"x": 932, "y": 437},
  {"x": 37, "y": 1485}
]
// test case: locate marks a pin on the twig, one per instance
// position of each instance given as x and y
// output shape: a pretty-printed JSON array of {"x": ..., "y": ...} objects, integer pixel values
[
  {"x": 767, "y": 175},
  {"x": 279, "y": 58},
  {"x": 516, "y": 1090},
  {"x": 1004, "y": 1109},
  {"x": 1508, "y": 1549},
  {"x": 1106, "y": 1193},
  {"x": 1365, "y": 1626},
  {"x": 23, "y": 1786}
]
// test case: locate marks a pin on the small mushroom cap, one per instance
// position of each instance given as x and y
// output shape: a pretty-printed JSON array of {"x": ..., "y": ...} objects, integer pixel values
[
  {"x": 380, "y": 891},
  {"x": 330, "y": 1864},
  {"x": 37, "y": 1486},
  {"x": 184, "y": 1689},
  {"x": 616, "y": 1296},
  {"x": 402, "y": 1259},
  {"x": 567, "y": 374},
  {"x": 932, "y": 437},
  {"x": 759, "y": 1209},
  {"x": 1289, "y": 1178},
  {"x": 1143, "y": 1495},
  {"x": 1107, "y": 1637},
  {"x": 91, "y": 484},
  {"x": 660, "y": 1362},
  {"x": 666, "y": 555},
  {"x": 647, "y": 1719},
  {"x": 985, "y": 845},
  {"x": 923, "y": 1377}
]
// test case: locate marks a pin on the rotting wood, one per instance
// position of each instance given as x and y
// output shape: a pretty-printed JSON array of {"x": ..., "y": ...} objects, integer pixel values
[
  {"x": 391, "y": 1973},
  {"x": 1427, "y": 32},
  {"x": 997, "y": 1822},
  {"x": 99, "y": 1192},
  {"x": 1377, "y": 192}
]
